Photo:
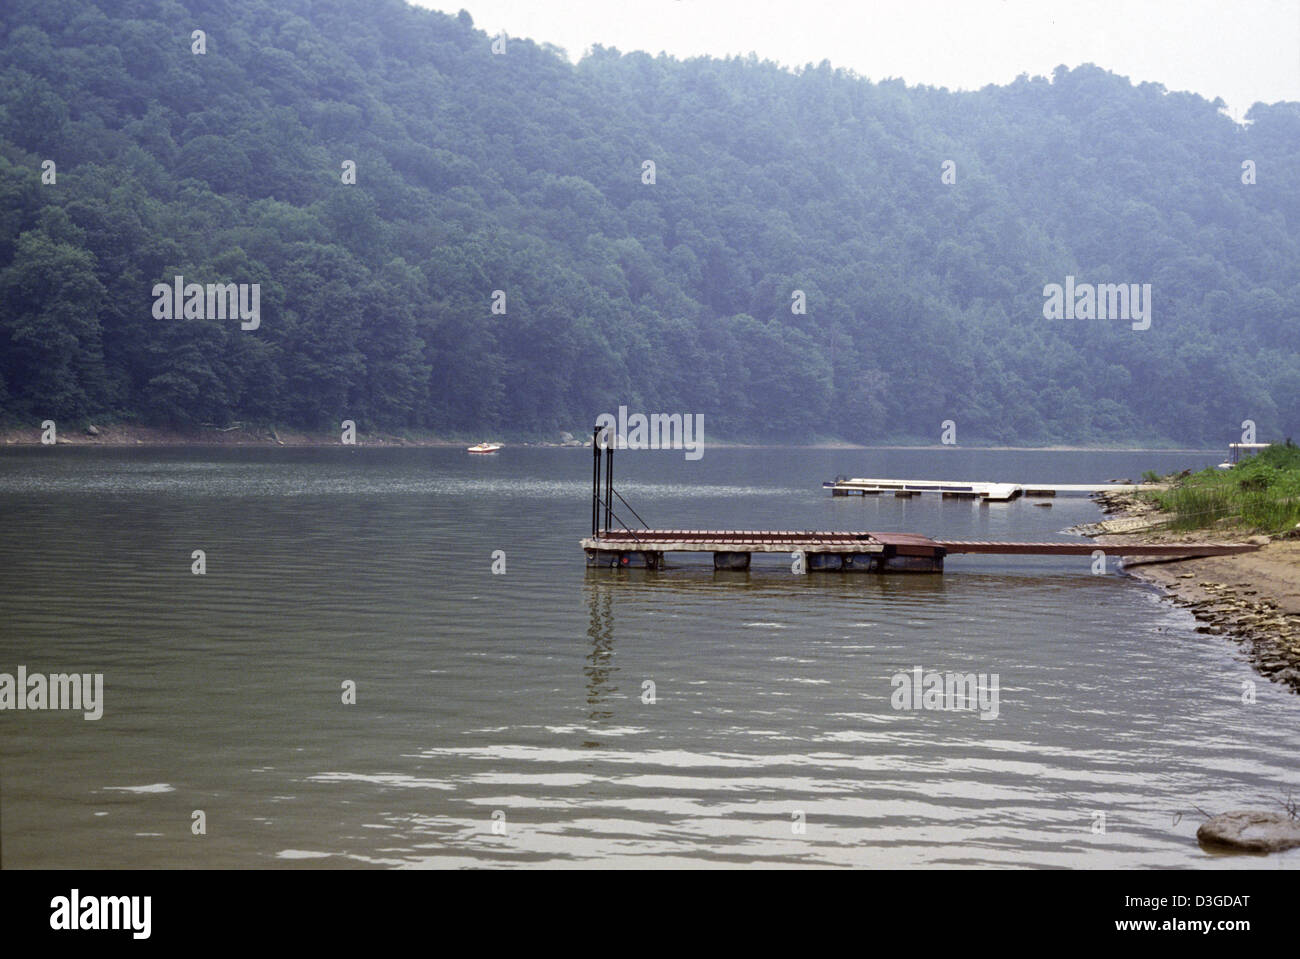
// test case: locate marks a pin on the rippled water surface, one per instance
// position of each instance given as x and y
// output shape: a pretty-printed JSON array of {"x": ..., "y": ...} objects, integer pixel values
[{"x": 517, "y": 700}]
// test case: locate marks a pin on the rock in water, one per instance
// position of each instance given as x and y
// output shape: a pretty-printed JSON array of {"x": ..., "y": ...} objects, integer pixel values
[{"x": 1251, "y": 831}]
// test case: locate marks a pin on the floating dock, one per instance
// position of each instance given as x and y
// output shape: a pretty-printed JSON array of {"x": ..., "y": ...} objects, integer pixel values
[
  {"x": 830, "y": 550},
  {"x": 827, "y": 550},
  {"x": 959, "y": 489}
]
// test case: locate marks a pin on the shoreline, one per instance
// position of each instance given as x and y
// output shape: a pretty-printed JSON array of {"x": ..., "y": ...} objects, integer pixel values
[
  {"x": 1250, "y": 599},
  {"x": 129, "y": 436},
  {"x": 126, "y": 435}
]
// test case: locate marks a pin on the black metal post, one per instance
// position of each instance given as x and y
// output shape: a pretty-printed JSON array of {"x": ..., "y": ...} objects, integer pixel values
[
  {"x": 595, "y": 482},
  {"x": 609, "y": 481}
]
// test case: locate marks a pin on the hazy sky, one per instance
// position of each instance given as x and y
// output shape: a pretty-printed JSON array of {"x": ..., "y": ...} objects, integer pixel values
[{"x": 1240, "y": 50}]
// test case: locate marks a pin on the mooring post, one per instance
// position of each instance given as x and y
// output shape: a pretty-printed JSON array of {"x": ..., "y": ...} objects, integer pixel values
[{"x": 595, "y": 482}]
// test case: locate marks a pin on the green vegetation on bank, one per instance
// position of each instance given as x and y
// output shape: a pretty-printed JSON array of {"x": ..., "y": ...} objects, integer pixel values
[
  {"x": 523, "y": 173},
  {"x": 1261, "y": 494}
]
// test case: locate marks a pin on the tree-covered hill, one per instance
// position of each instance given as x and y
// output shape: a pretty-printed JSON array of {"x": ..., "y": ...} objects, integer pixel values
[{"x": 521, "y": 172}]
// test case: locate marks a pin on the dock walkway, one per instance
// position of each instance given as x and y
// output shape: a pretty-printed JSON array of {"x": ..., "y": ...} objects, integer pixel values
[
  {"x": 847, "y": 550},
  {"x": 963, "y": 489}
]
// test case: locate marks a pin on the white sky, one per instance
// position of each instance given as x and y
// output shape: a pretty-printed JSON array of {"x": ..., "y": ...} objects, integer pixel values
[{"x": 1240, "y": 50}]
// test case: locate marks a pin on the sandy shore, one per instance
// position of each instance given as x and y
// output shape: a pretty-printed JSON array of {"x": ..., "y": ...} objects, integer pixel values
[{"x": 1252, "y": 599}]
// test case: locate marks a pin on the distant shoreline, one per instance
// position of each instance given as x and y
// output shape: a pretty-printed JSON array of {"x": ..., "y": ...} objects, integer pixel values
[{"x": 150, "y": 436}]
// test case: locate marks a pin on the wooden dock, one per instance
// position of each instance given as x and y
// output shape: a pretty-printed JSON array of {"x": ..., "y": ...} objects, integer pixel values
[
  {"x": 828, "y": 550},
  {"x": 962, "y": 489},
  {"x": 832, "y": 550}
]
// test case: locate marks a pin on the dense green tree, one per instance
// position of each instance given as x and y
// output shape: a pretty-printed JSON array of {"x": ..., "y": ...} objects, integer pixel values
[{"x": 524, "y": 173}]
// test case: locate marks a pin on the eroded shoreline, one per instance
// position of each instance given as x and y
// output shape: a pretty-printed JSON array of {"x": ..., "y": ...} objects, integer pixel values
[{"x": 1251, "y": 599}]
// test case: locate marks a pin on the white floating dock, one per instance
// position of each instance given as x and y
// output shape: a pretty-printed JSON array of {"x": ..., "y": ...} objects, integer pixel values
[{"x": 992, "y": 492}]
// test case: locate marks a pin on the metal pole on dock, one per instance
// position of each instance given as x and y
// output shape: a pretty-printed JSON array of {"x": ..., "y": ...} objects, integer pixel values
[
  {"x": 595, "y": 481},
  {"x": 609, "y": 483}
]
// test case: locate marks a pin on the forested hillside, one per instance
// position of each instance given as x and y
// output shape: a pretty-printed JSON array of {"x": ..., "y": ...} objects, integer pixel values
[{"x": 523, "y": 173}]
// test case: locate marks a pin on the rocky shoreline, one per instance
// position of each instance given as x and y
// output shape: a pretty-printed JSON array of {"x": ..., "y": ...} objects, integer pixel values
[{"x": 1251, "y": 599}]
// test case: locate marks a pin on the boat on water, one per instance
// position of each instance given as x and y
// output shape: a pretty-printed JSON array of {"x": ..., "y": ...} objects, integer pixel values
[{"x": 484, "y": 448}]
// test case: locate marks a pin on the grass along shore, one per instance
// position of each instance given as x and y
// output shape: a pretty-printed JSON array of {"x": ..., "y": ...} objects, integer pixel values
[{"x": 1261, "y": 494}]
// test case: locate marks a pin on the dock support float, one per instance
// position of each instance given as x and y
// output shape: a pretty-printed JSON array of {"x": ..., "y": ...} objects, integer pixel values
[
  {"x": 913, "y": 564},
  {"x": 844, "y": 562},
  {"x": 625, "y": 559}
]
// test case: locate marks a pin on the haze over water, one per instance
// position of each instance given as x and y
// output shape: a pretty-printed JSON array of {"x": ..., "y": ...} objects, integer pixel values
[{"x": 522, "y": 693}]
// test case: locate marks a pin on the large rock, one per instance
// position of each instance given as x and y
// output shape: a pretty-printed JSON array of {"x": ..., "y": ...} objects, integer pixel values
[{"x": 1251, "y": 831}]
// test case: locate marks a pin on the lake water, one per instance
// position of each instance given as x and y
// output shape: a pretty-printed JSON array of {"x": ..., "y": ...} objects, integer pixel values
[{"x": 500, "y": 720}]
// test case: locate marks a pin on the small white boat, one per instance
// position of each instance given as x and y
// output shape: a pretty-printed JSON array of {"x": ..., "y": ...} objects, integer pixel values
[{"x": 484, "y": 448}]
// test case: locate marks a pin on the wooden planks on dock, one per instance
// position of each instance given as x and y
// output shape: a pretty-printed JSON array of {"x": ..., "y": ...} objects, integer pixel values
[
  {"x": 894, "y": 544},
  {"x": 1087, "y": 549},
  {"x": 735, "y": 540}
]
